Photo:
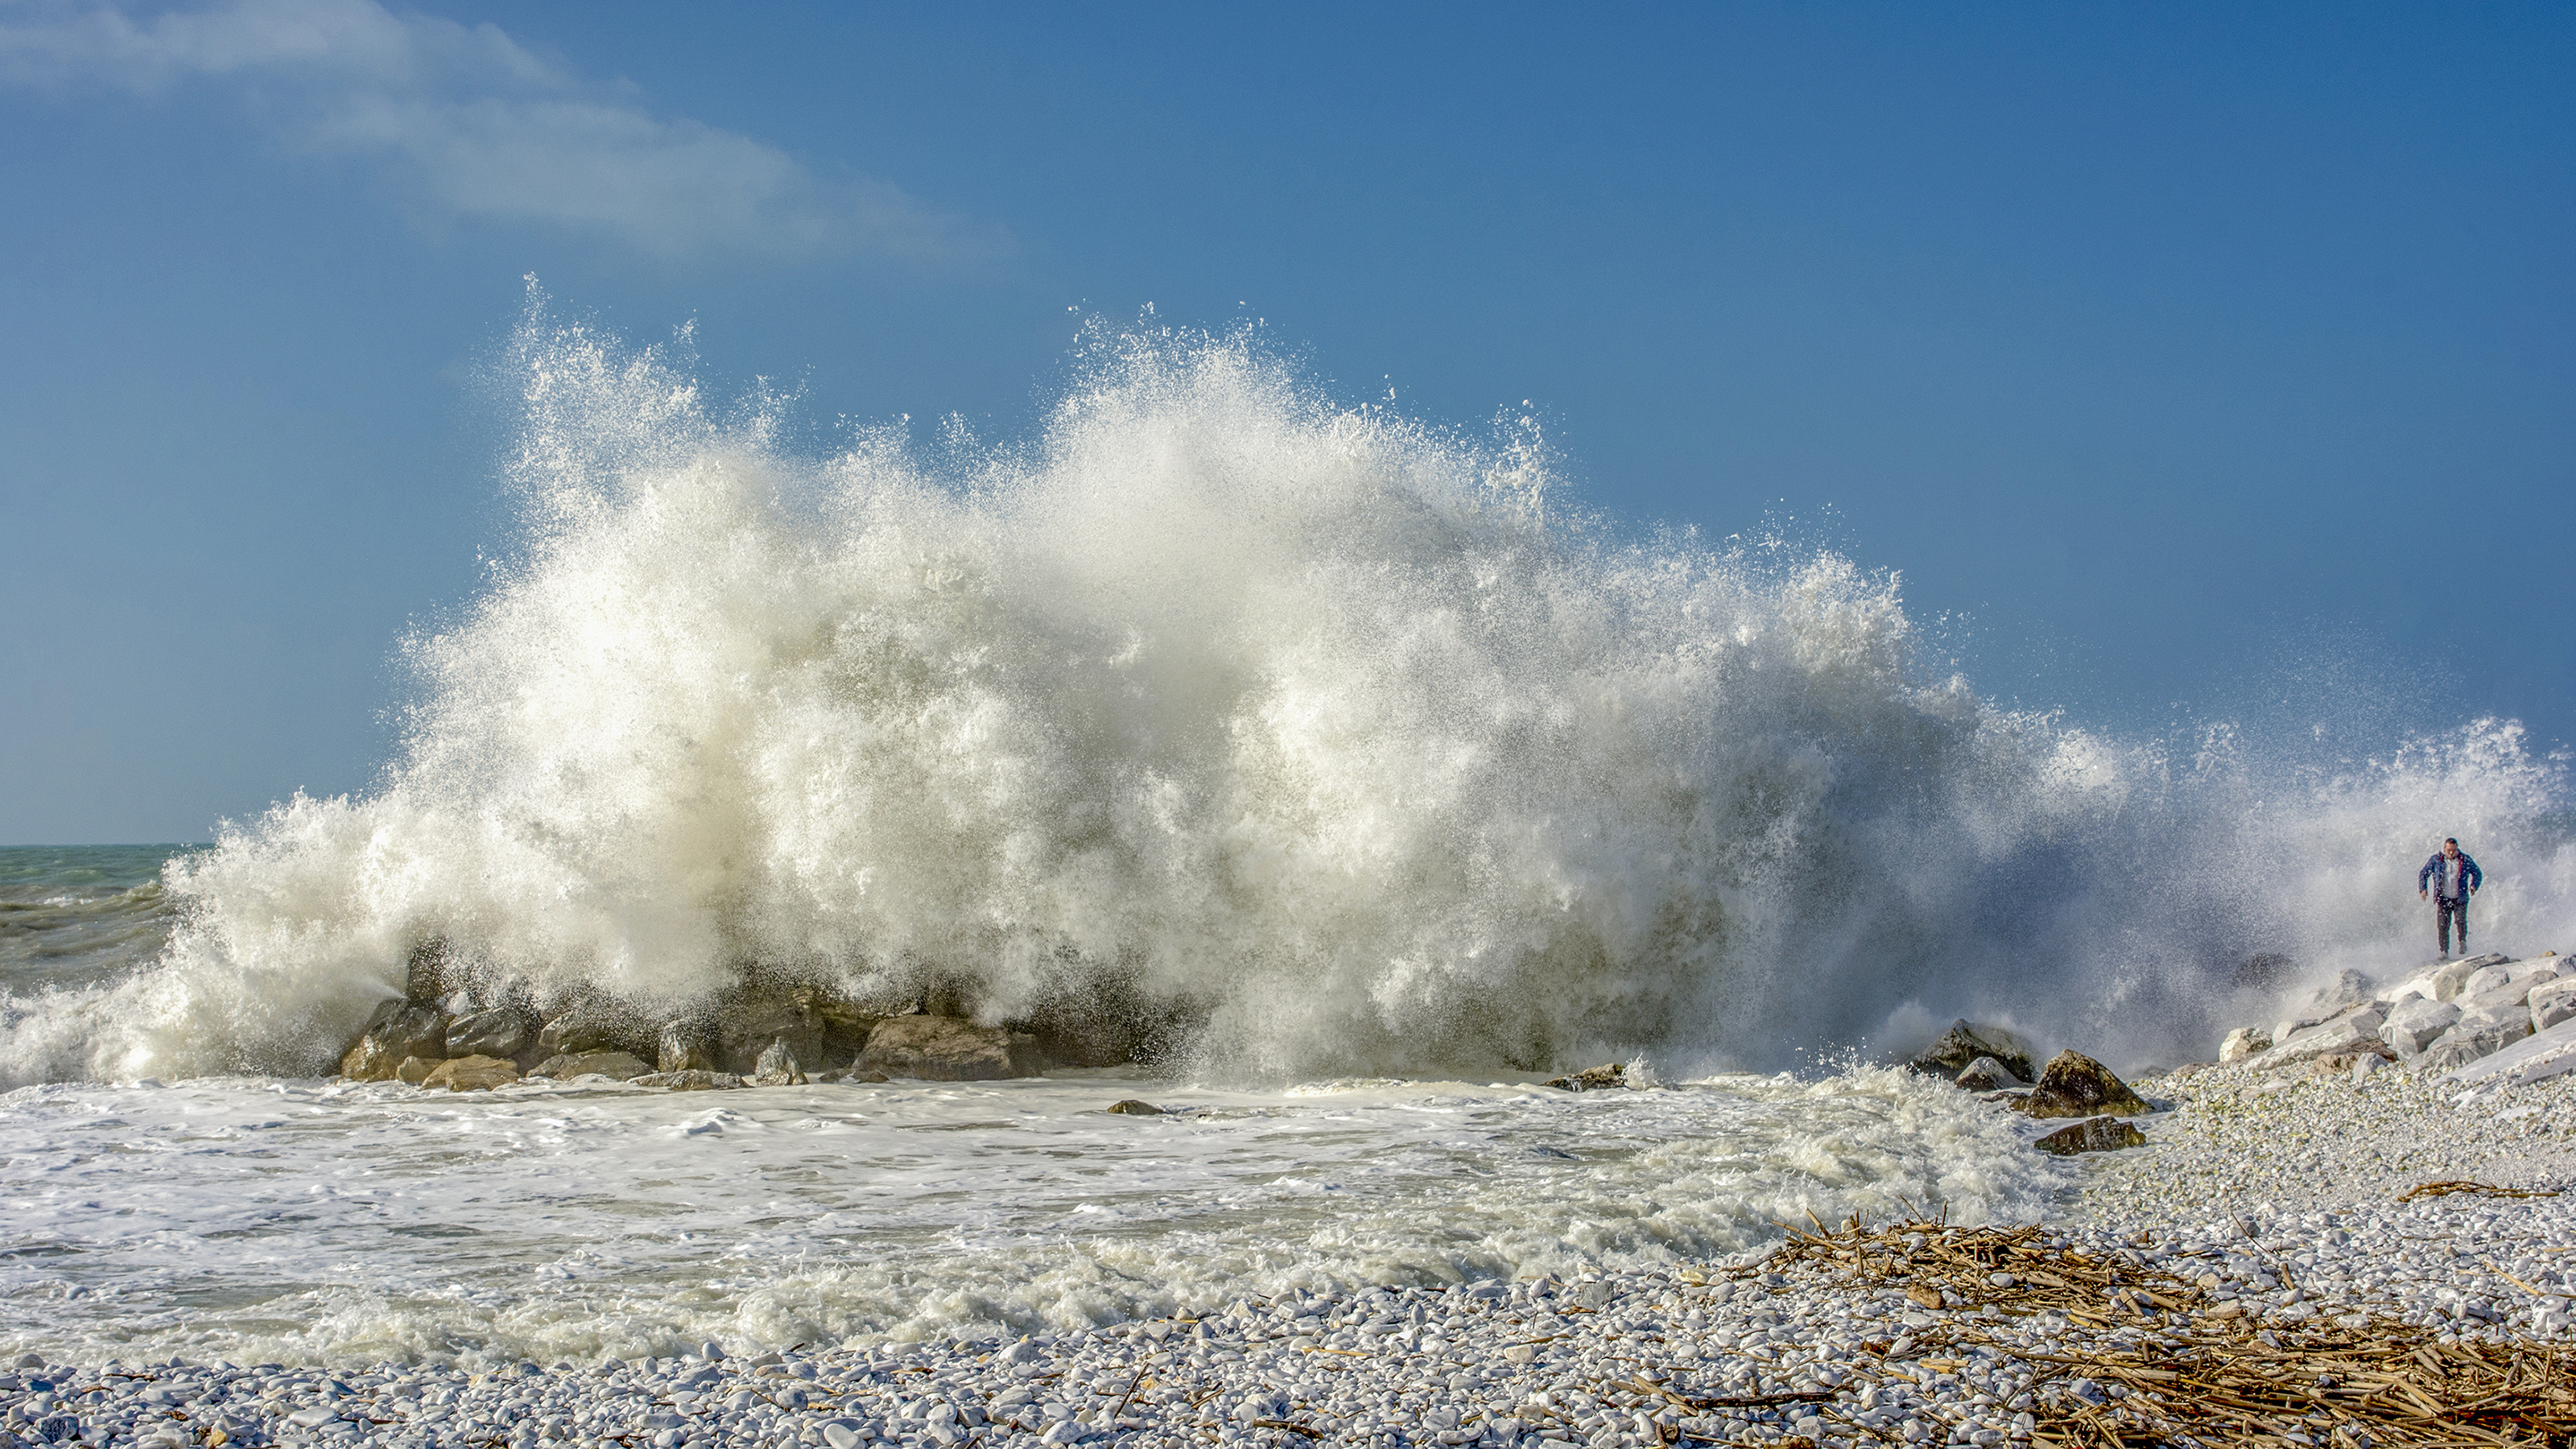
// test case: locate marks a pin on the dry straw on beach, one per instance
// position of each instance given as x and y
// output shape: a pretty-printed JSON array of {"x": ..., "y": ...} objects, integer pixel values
[{"x": 2170, "y": 1364}]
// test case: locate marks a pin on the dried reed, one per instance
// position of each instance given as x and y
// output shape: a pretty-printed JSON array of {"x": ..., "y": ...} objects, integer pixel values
[{"x": 2149, "y": 1358}]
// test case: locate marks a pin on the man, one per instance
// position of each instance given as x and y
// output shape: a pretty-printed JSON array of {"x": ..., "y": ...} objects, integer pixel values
[{"x": 2452, "y": 878}]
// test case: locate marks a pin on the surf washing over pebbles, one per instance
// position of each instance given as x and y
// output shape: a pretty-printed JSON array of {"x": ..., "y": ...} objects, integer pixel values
[{"x": 1336, "y": 756}]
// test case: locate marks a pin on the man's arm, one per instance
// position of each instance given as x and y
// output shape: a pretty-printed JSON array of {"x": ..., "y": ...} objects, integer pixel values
[{"x": 2470, "y": 876}]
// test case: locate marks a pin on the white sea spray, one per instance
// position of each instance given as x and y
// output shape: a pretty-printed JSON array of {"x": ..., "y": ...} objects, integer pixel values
[{"x": 1330, "y": 741}]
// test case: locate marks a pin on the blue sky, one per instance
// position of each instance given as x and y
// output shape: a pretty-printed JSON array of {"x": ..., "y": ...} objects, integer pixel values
[{"x": 2205, "y": 363}]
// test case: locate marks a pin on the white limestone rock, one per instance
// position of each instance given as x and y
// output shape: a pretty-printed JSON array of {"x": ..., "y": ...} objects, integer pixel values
[
  {"x": 2442, "y": 982},
  {"x": 2505, "y": 1019},
  {"x": 2537, "y": 1058},
  {"x": 2416, "y": 1023},
  {"x": 2512, "y": 981},
  {"x": 2357, "y": 1032},
  {"x": 2551, "y": 1003},
  {"x": 2243, "y": 1042}
]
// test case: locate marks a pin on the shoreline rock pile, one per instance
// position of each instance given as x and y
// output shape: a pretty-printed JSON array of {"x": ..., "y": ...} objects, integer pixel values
[
  {"x": 2462, "y": 1020},
  {"x": 454, "y": 1031},
  {"x": 1994, "y": 1062}
]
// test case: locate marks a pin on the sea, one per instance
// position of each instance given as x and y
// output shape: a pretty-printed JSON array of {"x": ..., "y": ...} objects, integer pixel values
[{"x": 1339, "y": 760}]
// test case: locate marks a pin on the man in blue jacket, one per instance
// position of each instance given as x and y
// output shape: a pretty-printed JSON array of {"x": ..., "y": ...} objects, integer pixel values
[{"x": 2450, "y": 878}]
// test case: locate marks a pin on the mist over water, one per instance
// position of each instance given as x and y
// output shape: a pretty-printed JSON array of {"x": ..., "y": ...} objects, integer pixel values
[{"x": 1328, "y": 742}]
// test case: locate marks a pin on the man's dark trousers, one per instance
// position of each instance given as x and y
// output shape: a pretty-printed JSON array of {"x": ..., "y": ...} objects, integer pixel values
[{"x": 2445, "y": 910}]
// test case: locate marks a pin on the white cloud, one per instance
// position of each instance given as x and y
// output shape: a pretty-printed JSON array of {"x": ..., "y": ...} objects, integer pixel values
[{"x": 473, "y": 124}]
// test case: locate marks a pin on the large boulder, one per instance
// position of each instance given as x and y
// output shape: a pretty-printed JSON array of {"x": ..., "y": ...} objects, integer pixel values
[
  {"x": 2096, "y": 1134},
  {"x": 398, "y": 1029},
  {"x": 778, "y": 1067},
  {"x": 744, "y": 1030},
  {"x": 688, "y": 1044},
  {"x": 2481, "y": 1031},
  {"x": 2075, "y": 1085},
  {"x": 2512, "y": 980},
  {"x": 2536, "y": 1058},
  {"x": 500, "y": 1032},
  {"x": 1985, "y": 1074},
  {"x": 2447, "y": 1055},
  {"x": 946, "y": 1049},
  {"x": 2442, "y": 981},
  {"x": 621, "y": 1066},
  {"x": 2552, "y": 1003},
  {"x": 2416, "y": 1023},
  {"x": 2243, "y": 1042},
  {"x": 2356, "y": 1031},
  {"x": 470, "y": 1074},
  {"x": 1964, "y": 1042},
  {"x": 585, "y": 1027}
]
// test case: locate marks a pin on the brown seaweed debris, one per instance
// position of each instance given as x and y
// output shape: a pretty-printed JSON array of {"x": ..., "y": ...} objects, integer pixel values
[
  {"x": 2475, "y": 1189},
  {"x": 2150, "y": 1359}
]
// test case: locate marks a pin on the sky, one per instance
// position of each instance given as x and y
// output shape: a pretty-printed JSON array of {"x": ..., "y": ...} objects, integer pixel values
[{"x": 2190, "y": 363}]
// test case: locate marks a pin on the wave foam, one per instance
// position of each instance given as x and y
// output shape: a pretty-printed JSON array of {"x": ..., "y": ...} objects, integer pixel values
[{"x": 1305, "y": 729}]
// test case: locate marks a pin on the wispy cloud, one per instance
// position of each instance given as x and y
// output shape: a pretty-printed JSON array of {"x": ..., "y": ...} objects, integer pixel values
[{"x": 473, "y": 124}]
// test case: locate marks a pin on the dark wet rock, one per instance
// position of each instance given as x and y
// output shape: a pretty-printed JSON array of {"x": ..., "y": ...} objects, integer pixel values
[
  {"x": 687, "y": 1045},
  {"x": 398, "y": 1029},
  {"x": 1964, "y": 1042},
  {"x": 947, "y": 1049},
  {"x": 2096, "y": 1134},
  {"x": 1109, "y": 1022},
  {"x": 499, "y": 1032},
  {"x": 563, "y": 1066},
  {"x": 470, "y": 1074},
  {"x": 746, "y": 1029},
  {"x": 2075, "y": 1085},
  {"x": 429, "y": 975},
  {"x": 1132, "y": 1107},
  {"x": 369, "y": 1061},
  {"x": 583, "y": 1027},
  {"x": 1592, "y": 1079},
  {"x": 2264, "y": 968},
  {"x": 777, "y": 1066},
  {"x": 1985, "y": 1074}
]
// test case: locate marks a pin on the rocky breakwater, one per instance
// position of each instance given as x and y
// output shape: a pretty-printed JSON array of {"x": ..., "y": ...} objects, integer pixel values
[
  {"x": 1995, "y": 1063},
  {"x": 451, "y": 1030},
  {"x": 2459, "y": 1020}
]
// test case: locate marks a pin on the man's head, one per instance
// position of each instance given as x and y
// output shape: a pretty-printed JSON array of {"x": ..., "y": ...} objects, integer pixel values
[{"x": 2451, "y": 846}]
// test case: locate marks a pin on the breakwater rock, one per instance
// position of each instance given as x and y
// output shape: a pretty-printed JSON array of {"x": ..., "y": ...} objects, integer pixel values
[{"x": 2452, "y": 1019}]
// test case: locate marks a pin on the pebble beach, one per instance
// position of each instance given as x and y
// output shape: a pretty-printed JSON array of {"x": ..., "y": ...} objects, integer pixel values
[{"x": 2275, "y": 1200}]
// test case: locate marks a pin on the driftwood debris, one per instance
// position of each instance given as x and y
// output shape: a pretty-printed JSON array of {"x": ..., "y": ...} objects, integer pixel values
[{"x": 2151, "y": 1359}]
